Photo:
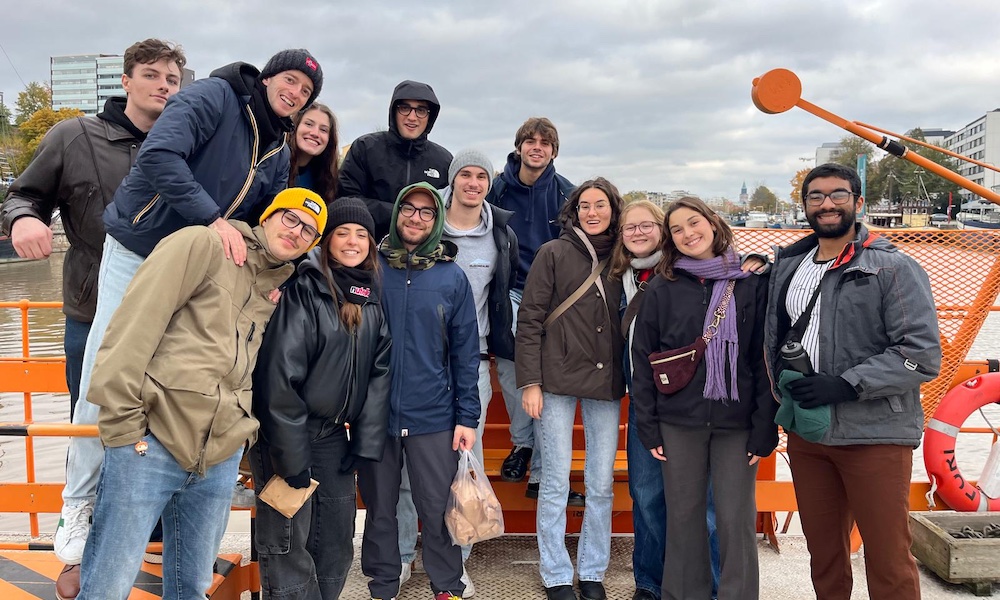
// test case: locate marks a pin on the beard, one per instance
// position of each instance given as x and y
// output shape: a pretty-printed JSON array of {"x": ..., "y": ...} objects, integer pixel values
[{"x": 833, "y": 230}]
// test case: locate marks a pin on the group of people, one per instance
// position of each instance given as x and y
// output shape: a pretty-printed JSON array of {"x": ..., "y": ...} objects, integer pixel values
[{"x": 232, "y": 288}]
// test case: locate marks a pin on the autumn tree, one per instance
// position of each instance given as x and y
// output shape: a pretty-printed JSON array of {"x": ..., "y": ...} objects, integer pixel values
[
  {"x": 35, "y": 97},
  {"x": 633, "y": 196},
  {"x": 33, "y": 129},
  {"x": 800, "y": 177},
  {"x": 763, "y": 200}
]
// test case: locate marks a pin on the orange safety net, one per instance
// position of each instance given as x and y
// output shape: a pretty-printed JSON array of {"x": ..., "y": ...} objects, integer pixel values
[{"x": 963, "y": 267}]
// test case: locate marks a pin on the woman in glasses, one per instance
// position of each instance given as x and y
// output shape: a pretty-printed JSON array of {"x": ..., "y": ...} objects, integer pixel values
[
  {"x": 714, "y": 430},
  {"x": 315, "y": 151},
  {"x": 568, "y": 352},
  {"x": 324, "y": 363}
]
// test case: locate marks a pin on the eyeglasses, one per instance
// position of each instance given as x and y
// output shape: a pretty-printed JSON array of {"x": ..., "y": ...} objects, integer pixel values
[
  {"x": 406, "y": 109},
  {"x": 837, "y": 197},
  {"x": 598, "y": 206},
  {"x": 645, "y": 228},
  {"x": 292, "y": 220},
  {"x": 426, "y": 214}
]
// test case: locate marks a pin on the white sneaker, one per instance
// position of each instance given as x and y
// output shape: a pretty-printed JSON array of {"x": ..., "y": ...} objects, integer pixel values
[
  {"x": 72, "y": 531},
  {"x": 404, "y": 574},
  {"x": 470, "y": 588},
  {"x": 243, "y": 497}
]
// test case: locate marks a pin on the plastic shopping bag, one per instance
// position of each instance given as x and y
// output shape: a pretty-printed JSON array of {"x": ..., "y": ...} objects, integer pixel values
[{"x": 473, "y": 513}]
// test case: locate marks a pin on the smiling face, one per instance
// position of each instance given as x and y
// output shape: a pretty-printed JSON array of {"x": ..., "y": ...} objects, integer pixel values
[
  {"x": 594, "y": 210},
  {"x": 288, "y": 92},
  {"x": 470, "y": 186},
  {"x": 638, "y": 242},
  {"x": 831, "y": 220},
  {"x": 411, "y": 126},
  {"x": 349, "y": 244},
  {"x": 150, "y": 85},
  {"x": 692, "y": 233},
  {"x": 536, "y": 152},
  {"x": 286, "y": 243},
  {"x": 313, "y": 133},
  {"x": 413, "y": 230}
]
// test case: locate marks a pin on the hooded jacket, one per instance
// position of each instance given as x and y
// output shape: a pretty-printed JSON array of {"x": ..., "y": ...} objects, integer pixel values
[
  {"x": 878, "y": 330},
  {"x": 432, "y": 319},
  {"x": 579, "y": 354},
  {"x": 179, "y": 353},
  {"x": 314, "y": 375},
  {"x": 380, "y": 164},
  {"x": 535, "y": 207},
  {"x": 76, "y": 169},
  {"x": 205, "y": 158}
]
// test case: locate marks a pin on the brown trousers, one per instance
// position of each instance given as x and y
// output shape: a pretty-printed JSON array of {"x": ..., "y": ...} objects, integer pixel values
[{"x": 836, "y": 486}]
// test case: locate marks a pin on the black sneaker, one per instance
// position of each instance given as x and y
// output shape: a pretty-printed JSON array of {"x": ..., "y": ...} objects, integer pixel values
[
  {"x": 592, "y": 590},
  {"x": 573, "y": 499},
  {"x": 560, "y": 592},
  {"x": 515, "y": 466}
]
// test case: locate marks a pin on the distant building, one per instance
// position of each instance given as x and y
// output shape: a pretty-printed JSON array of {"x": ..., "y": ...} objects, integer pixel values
[
  {"x": 979, "y": 140},
  {"x": 936, "y": 137},
  {"x": 744, "y": 197},
  {"x": 86, "y": 81},
  {"x": 824, "y": 153}
]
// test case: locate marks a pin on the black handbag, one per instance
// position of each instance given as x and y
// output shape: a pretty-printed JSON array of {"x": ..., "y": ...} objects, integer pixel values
[{"x": 674, "y": 369}]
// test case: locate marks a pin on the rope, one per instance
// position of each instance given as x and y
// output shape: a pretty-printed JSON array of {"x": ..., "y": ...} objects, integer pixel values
[{"x": 930, "y": 495}]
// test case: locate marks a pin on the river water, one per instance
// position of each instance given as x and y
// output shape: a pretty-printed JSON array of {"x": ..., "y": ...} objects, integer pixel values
[{"x": 42, "y": 281}]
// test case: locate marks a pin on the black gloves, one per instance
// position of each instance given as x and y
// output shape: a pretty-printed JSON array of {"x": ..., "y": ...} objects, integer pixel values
[
  {"x": 350, "y": 463},
  {"x": 818, "y": 390},
  {"x": 298, "y": 481}
]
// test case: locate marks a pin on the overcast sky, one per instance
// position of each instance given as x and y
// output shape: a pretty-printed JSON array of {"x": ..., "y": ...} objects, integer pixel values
[{"x": 654, "y": 95}]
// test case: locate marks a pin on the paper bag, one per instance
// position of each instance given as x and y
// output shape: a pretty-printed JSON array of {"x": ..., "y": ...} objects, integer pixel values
[
  {"x": 284, "y": 498},
  {"x": 473, "y": 513}
]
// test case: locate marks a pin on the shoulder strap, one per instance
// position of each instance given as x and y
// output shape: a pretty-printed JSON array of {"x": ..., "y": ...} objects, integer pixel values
[
  {"x": 93, "y": 156},
  {"x": 632, "y": 309},
  {"x": 580, "y": 291},
  {"x": 799, "y": 328}
]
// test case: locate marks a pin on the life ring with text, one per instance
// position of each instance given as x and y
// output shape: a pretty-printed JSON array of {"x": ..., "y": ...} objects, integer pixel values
[{"x": 939, "y": 443}]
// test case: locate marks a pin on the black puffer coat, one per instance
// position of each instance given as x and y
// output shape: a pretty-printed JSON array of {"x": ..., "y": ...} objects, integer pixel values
[{"x": 312, "y": 374}]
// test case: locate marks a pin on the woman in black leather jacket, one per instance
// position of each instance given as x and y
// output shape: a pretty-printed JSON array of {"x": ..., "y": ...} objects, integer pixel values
[{"x": 323, "y": 364}]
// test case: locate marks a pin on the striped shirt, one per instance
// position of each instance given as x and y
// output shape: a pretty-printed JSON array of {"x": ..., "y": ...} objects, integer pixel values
[{"x": 800, "y": 290}]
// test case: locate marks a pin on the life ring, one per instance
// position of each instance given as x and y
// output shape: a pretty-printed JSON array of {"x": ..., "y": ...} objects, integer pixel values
[{"x": 939, "y": 443}]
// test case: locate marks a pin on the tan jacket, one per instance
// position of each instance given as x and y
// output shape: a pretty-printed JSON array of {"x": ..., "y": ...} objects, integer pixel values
[{"x": 179, "y": 352}]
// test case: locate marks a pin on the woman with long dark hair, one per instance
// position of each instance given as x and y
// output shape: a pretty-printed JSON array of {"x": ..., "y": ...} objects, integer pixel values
[
  {"x": 718, "y": 426},
  {"x": 324, "y": 363},
  {"x": 568, "y": 352},
  {"x": 315, "y": 151}
]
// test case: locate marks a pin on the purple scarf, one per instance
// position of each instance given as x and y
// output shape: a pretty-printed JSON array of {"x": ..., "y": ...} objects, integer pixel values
[{"x": 725, "y": 344}]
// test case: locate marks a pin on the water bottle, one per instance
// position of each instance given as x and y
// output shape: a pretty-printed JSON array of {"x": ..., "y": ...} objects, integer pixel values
[{"x": 796, "y": 357}]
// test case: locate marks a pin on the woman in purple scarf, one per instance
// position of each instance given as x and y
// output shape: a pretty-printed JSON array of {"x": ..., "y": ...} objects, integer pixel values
[{"x": 718, "y": 426}]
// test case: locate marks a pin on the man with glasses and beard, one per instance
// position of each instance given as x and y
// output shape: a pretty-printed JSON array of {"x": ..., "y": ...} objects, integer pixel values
[
  {"x": 380, "y": 164},
  {"x": 872, "y": 337}
]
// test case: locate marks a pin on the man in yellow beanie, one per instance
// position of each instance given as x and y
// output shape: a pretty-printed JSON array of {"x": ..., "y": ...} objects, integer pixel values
[{"x": 172, "y": 380}]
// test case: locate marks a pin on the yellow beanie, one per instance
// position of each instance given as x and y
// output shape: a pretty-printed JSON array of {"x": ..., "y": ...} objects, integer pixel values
[{"x": 302, "y": 199}]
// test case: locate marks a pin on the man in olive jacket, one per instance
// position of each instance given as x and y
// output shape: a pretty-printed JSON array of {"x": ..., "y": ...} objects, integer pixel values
[{"x": 172, "y": 381}]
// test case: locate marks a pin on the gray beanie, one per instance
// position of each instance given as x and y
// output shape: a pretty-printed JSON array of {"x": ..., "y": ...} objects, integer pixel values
[
  {"x": 296, "y": 60},
  {"x": 470, "y": 158}
]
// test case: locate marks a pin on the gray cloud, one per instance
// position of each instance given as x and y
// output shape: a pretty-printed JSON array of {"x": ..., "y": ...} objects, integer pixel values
[{"x": 653, "y": 94}]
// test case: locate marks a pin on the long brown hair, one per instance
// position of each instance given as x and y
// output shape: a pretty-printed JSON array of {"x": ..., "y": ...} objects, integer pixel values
[
  {"x": 724, "y": 237},
  {"x": 350, "y": 313},
  {"x": 621, "y": 256},
  {"x": 328, "y": 160}
]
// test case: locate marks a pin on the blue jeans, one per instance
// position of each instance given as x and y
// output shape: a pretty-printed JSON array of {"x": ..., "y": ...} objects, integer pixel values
[
  {"x": 83, "y": 463},
  {"x": 600, "y": 428},
  {"x": 133, "y": 492},
  {"x": 406, "y": 512},
  {"x": 523, "y": 429},
  {"x": 649, "y": 516},
  {"x": 74, "y": 345}
]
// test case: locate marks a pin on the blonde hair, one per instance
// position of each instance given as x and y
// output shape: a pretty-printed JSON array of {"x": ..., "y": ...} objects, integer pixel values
[{"x": 621, "y": 257}]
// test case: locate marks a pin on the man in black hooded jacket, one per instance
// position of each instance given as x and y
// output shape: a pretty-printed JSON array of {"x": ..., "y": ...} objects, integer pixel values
[{"x": 382, "y": 163}]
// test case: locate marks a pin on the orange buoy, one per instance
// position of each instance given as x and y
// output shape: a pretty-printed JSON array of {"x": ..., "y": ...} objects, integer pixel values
[{"x": 939, "y": 443}]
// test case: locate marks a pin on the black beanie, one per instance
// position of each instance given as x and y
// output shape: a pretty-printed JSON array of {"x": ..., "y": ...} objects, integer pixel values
[
  {"x": 296, "y": 60},
  {"x": 349, "y": 210}
]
